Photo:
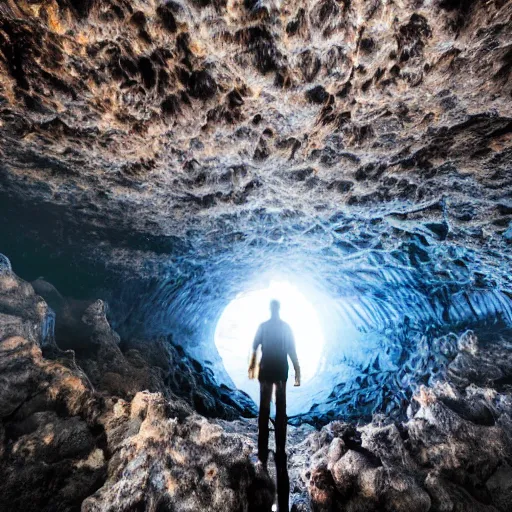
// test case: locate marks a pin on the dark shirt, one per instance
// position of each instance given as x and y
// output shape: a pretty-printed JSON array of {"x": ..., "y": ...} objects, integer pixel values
[{"x": 277, "y": 343}]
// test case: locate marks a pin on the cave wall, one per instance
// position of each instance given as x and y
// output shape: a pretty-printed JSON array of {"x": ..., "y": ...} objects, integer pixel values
[
  {"x": 164, "y": 156},
  {"x": 158, "y": 157},
  {"x": 66, "y": 445},
  {"x": 96, "y": 428}
]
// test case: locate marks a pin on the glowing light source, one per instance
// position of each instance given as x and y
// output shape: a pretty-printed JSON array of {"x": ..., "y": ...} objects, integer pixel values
[{"x": 238, "y": 324}]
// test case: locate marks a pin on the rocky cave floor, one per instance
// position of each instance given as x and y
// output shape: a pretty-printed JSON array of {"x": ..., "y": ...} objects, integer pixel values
[{"x": 102, "y": 432}]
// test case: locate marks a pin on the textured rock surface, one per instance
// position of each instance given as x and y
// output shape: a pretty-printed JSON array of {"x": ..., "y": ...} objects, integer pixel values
[
  {"x": 62, "y": 442},
  {"x": 167, "y": 153},
  {"x": 452, "y": 454},
  {"x": 124, "y": 368},
  {"x": 167, "y": 464},
  {"x": 64, "y": 446},
  {"x": 349, "y": 125}
]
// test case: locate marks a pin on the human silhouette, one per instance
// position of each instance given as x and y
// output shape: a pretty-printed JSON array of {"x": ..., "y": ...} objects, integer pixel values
[{"x": 277, "y": 344}]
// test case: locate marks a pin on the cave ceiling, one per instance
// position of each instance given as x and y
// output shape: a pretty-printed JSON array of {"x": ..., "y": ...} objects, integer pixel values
[{"x": 366, "y": 140}]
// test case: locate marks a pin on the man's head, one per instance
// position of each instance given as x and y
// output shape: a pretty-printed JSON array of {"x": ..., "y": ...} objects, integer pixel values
[{"x": 275, "y": 306}]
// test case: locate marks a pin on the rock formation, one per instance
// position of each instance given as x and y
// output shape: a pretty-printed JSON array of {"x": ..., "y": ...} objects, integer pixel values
[
  {"x": 160, "y": 157},
  {"x": 168, "y": 154},
  {"x": 453, "y": 453},
  {"x": 65, "y": 445}
]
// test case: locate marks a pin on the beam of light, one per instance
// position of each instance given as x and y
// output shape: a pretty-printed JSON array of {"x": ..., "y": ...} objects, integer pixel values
[{"x": 238, "y": 324}]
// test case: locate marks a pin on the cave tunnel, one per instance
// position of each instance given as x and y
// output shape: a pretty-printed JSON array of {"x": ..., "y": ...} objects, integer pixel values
[{"x": 169, "y": 167}]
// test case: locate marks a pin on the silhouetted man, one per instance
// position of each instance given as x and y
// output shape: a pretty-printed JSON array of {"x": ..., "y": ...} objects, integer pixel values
[{"x": 277, "y": 343}]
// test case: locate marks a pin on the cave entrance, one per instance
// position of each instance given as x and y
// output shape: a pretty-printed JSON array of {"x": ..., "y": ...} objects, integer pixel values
[{"x": 237, "y": 327}]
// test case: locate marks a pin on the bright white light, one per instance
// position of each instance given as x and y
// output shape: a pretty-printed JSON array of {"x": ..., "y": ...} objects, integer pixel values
[
  {"x": 274, "y": 507},
  {"x": 238, "y": 324}
]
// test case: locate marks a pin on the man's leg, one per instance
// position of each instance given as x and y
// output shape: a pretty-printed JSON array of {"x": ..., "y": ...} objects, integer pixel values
[
  {"x": 283, "y": 481},
  {"x": 263, "y": 418},
  {"x": 281, "y": 418}
]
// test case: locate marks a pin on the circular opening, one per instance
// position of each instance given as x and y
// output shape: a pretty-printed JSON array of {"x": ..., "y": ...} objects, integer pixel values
[{"x": 239, "y": 322}]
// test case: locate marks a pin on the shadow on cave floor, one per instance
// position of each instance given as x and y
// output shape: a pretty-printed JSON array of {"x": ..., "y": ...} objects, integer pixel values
[{"x": 285, "y": 473}]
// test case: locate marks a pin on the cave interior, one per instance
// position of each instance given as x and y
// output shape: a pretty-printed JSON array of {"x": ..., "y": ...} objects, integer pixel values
[{"x": 165, "y": 160}]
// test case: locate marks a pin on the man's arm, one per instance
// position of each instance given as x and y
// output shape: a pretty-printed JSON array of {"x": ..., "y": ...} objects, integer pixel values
[
  {"x": 255, "y": 345},
  {"x": 292, "y": 352}
]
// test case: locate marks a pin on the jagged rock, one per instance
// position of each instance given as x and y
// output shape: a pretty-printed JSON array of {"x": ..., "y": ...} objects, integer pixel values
[
  {"x": 441, "y": 501},
  {"x": 347, "y": 469},
  {"x": 387, "y": 444},
  {"x": 146, "y": 450},
  {"x": 179, "y": 465},
  {"x": 64, "y": 446},
  {"x": 449, "y": 455},
  {"x": 337, "y": 449},
  {"x": 468, "y": 343},
  {"x": 321, "y": 489},
  {"x": 125, "y": 368},
  {"x": 48, "y": 414}
]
